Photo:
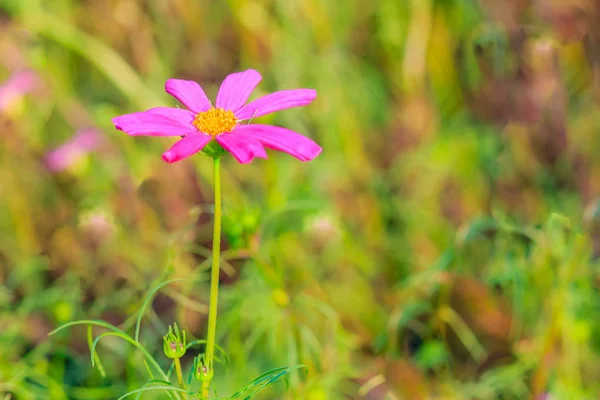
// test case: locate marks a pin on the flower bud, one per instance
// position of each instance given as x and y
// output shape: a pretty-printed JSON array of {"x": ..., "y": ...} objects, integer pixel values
[
  {"x": 174, "y": 343},
  {"x": 201, "y": 370}
]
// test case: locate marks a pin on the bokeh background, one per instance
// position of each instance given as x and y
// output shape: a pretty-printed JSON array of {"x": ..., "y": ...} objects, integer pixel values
[{"x": 443, "y": 246}]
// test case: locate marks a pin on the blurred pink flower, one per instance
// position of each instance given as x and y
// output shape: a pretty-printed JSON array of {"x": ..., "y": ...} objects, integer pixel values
[
  {"x": 97, "y": 225},
  {"x": 203, "y": 122},
  {"x": 65, "y": 155},
  {"x": 19, "y": 84}
]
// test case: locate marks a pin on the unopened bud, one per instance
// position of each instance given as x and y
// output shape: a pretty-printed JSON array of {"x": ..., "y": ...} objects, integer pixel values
[
  {"x": 201, "y": 369},
  {"x": 174, "y": 343}
]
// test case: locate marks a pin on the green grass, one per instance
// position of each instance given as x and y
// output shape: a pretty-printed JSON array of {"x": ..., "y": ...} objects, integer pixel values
[{"x": 443, "y": 245}]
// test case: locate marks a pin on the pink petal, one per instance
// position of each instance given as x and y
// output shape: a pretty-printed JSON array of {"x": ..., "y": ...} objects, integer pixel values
[
  {"x": 281, "y": 139},
  {"x": 236, "y": 89},
  {"x": 243, "y": 147},
  {"x": 189, "y": 93},
  {"x": 151, "y": 124},
  {"x": 189, "y": 145},
  {"x": 177, "y": 114},
  {"x": 83, "y": 142},
  {"x": 275, "y": 102},
  {"x": 19, "y": 84}
]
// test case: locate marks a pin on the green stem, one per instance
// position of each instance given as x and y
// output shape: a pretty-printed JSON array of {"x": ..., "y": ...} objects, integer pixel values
[
  {"x": 214, "y": 281},
  {"x": 180, "y": 376}
]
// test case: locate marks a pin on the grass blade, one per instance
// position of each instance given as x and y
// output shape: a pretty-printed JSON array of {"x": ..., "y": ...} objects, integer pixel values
[{"x": 149, "y": 298}]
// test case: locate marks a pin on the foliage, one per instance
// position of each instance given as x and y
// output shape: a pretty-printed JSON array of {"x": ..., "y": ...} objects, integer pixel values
[{"x": 444, "y": 245}]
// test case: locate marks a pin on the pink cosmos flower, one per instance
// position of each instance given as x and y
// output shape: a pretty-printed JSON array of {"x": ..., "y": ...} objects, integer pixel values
[
  {"x": 19, "y": 84},
  {"x": 202, "y": 122},
  {"x": 65, "y": 155}
]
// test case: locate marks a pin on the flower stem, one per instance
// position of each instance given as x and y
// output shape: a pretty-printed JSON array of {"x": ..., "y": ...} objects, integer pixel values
[
  {"x": 214, "y": 281},
  {"x": 180, "y": 377}
]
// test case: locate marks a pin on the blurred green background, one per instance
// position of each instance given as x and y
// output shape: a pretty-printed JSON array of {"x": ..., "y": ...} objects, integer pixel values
[{"x": 443, "y": 246}]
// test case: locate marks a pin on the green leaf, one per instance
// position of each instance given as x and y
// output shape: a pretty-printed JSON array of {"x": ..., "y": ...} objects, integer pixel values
[
  {"x": 129, "y": 339},
  {"x": 149, "y": 389},
  {"x": 264, "y": 380},
  {"x": 148, "y": 299},
  {"x": 87, "y": 322},
  {"x": 433, "y": 354},
  {"x": 97, "y": 359},
  {"x": 145, "y": 385}
]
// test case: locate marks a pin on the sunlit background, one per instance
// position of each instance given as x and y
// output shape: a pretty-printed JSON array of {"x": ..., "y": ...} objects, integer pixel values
[{"x": 443, "y": 246}]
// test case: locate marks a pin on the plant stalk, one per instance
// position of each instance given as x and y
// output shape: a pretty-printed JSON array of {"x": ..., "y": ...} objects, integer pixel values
[
  {"x": 214, "y": 282},
  {"x": 180, "y": 377}
]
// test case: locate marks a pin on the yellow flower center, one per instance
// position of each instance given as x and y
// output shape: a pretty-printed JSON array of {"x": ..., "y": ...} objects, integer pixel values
[{"x": 215, "y": 121}]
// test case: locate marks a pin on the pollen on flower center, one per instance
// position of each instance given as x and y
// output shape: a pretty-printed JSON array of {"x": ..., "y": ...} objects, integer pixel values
[{"x": 215, "y": 121}]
